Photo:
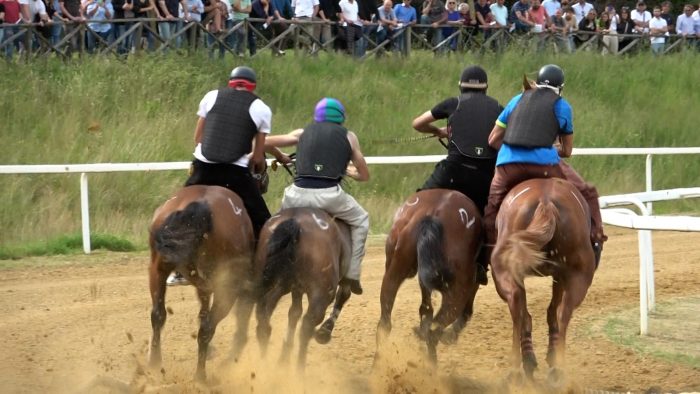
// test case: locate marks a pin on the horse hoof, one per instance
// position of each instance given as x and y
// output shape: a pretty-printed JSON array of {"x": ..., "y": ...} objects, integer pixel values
[
  {"x": 323, "y": 336},
  {"x": 448, "y": 337},
  {"x": 419, "y": 333},
  {"x": 556, "y": 377},
  {"x": 200, "y": 376}
]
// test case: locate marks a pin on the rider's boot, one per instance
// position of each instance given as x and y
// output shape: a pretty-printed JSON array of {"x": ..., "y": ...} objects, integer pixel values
[{"x": 482, "y": 266}]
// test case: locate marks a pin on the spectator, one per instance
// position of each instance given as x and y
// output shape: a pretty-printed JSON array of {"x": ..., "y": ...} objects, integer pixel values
[
  {"x": 226, "y": 16},
  {"x": 97, "y": 11},
  {"x": 211, "y": 18},
  {"x": 265, "y": 9},
  {"x": 696, "y": 13},
  {"x": 351, "y": 25},
  {"x": 328, "y": 13},
  {"x": 285, "y": 10},
  {"x": 625, "y": 27},
  {"x": 520, "y": 17},
  {"x": 589, "y": 26},
  {"x": 406, "y": 15},
  {"x": 386, "y": 18},
  {"x": 641, "y": 18},
  {"x": 241, "y": 12},
  {"x": 539, "y": 18},
  {"x": 500, "y": 13},
  {"x": 658, "y": 31},
  {"x": 325, "y": 148},
  {"x": 559, "y": 29},
  {"x": 119, "y": 28},
  {"x": 571, "y": 26},
  {"x": 306, "y": 11},
  {"x": 609, "y": 30},
  {"x": 169, "y": 9},
  {"x": 484, "y": 18},
  {"x": 685, "y": 24},
  {"x": 581, "y": 10},
  {"x": 2, "y": 21},
  {"x": 12, "y": 17},
  {"x": 34, "y": 11},
  {"x": 365, "y": 13},
  {"x": 433, "y": 14},
  {"x": 71, "y": 11},
  {"x": 145, "y": 9},
  {"x": 666, "y": 8},
  {"x": 551, "y": 6},
  {"x": 454, "y": 18},
  {"x": 469, "y": 166}
]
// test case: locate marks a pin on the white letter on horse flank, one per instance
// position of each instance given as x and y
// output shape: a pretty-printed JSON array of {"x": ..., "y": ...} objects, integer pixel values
[
  {"x": 579, "y": 202},
  {"x": 410, "y": 204},
  {"x": 320, "y": 222},
  {"x": 464, "y": 215},
  {"x": 517, "y": 195},
  {"x": 236, "y": 210}
]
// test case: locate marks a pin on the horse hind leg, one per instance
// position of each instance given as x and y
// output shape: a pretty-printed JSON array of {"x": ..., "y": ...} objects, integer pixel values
[
  {"x": 450, "y": 336},
  {"x": 219, "y": 309},
  {"x": 293, "y": 316},
  {"x": 323, "y": 334},
  {"x": 452, "y": 301},
  {"x": 425, "y": 311},
  {"x": 157, "y": 278},
  {"x": 263, "y": 311},
  {"x": 244, "y": 308},
  {"x": 318, "y": 303},
  {"x": 390, "y": 286}
]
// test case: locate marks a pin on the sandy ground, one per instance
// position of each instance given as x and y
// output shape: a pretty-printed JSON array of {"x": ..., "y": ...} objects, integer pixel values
[{"x": 69, "y": 320}]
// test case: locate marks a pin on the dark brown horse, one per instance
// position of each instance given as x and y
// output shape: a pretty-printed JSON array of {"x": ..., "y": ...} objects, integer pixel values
[
  {"x": 437, "y": 234},
  {"x": 543, "y": 229},
  {"x": 301, "y": 251},
  {"x": 204, "y": 233}
]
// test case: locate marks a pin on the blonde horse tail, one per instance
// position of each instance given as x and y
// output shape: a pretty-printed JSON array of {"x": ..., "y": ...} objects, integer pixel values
[{"x": 523, "y": 251}]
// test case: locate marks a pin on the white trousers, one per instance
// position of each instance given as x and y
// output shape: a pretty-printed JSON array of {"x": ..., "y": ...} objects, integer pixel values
[{"x": 340, "y": 205}]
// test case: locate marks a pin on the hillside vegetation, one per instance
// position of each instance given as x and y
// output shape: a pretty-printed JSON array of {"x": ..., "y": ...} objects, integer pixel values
[{"x": 144, "y": 110}]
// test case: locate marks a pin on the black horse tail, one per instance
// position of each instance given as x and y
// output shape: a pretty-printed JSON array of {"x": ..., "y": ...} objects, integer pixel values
[
  {"x": 178, "y": 239},
  {"x": 433, "y": 272},
  {"x": 281, "y": 254},
  {"x": 523, "y": 251}
]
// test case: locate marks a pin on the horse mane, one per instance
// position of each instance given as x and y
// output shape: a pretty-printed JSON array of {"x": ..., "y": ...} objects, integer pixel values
[
  {"x": 523, "y": 252},
  {"x": 528, "y": 84}
]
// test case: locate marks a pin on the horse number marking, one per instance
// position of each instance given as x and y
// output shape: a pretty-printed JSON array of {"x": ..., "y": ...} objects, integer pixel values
[
  {"x": 320, "y": 222},
  {"x": 464, "y": 215},
  {"x": 410, "y": 204},
  {"x": 512, "y": 200},
  {"x": 236, "y": 210}
]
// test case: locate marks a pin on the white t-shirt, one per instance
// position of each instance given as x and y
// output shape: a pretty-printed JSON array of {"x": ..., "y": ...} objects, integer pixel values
[
  {"x": 500, "y": 13},
  {"x": 349, "y": 10},
  {"x": 551, "y": 6},
  {"x": 259, "y": 112},
  {"x": 36, "y": 7},
  {"x": 658, "y": 23},
  {"x": 643, "y": 17},
  {"x": 580, "y": 11},
  {"x": 613, "y": 23},
  {"x": 696, "y": 14},
  {"x": 304, "y": 7}
]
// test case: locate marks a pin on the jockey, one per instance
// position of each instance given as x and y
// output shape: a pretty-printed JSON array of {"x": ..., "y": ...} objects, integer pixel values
[
  {"x": 470, "y": 162},
  {"x": 232, "y": 122},
  {"x": 526, "y": 132},
  {"x": 324, "y": 150}
]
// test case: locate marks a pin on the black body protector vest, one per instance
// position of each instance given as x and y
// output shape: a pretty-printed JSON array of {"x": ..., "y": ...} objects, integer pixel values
[
  {"x": 323, "y": 151},
  {"x": 470, "y": 125},
  {"x": 229, "y": 130},
  {"x": 533, "y": 123}
]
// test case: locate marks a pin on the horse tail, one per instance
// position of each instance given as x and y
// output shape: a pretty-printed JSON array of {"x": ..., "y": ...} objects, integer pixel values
[
  {"x": 281, "y": 254},
  {"x": 433, "y": 272},
  {"x": 523, "y": 251},
  {"x": 178, "y": 239}
]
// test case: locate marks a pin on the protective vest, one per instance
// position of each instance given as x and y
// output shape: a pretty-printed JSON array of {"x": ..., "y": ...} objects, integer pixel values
[
  {"x": 533, "y": 123},
  {"x": 323, "y": 151},
  {"x": 469, "y": 126},
  {"x": 229, "y": 130}
]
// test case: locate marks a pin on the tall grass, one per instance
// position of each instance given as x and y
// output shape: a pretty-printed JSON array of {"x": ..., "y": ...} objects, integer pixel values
[{"x": 144, "y": 109}]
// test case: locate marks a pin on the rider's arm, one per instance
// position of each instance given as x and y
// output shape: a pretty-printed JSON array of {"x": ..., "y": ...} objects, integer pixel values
[
  {"x": 361, "y": 171},
  {"x": 566, "y": 145},
  {"x": 258, "y": 159},
  {"x": 423, "y": 124},
  {"x": 281, "y": 141},
  {"x": 199, "y": 130},
  {"x": 496, "y": 136}
]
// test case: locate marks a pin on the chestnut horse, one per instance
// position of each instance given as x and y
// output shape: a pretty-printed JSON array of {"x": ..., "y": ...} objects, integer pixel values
[
  {"x": 543, "y": 229},
  {"x": 301, "y": 251},
  {"x": 204, "y": 233},
  {"x": 436, "y": 234}
]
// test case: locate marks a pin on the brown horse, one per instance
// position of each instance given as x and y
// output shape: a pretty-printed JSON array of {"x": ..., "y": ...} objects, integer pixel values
[
  {"x": 301, "y": 251},
  {"x": 543, "y": 229},
  {"x": 437, "y": 234},
  {"x": 204, "y": 233}
]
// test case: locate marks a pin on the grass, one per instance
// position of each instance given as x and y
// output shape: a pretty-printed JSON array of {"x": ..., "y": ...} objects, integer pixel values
[
  {"x": 144, "y": 109},
  {"x": 67, "y": 244}
]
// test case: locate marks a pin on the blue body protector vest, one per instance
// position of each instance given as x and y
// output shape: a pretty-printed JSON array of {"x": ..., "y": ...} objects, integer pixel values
[
  {"x": 229, "y": 130},
  {"x": 533, "y": 123},
  {"x": 323, "y": 151}
]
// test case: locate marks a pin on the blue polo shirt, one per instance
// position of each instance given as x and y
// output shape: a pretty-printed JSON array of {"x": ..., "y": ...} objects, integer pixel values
[
  {"x": 405, "y": 14},
  {"x": 544, "y": 156}
]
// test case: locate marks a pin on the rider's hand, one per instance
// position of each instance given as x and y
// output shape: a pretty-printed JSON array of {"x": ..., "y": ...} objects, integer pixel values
[
  {"x": 257, "y": 164},
  {"x": 283, "y": 159}
]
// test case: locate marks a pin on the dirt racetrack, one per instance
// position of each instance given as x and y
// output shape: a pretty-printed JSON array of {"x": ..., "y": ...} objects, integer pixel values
[{"x": 67, "y": 320}]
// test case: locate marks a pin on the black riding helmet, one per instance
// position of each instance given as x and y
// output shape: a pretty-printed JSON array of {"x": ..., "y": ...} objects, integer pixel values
[
  {"x": 473, "y": 77},
  {"x": 551, "y": 75},
  {"x": 243, "y": 72}
]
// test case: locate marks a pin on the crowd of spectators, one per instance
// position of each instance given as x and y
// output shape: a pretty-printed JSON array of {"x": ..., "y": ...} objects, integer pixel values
[{"x": 572, "y": 24}]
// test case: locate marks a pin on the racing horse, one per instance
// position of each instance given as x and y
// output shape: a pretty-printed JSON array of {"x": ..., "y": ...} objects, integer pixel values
[
  {"x": 301, "y": 251},
  {"x": 205, "y": 234},
  {"x": 543, "y": 229},
  {"x": 437, "y": 233}
]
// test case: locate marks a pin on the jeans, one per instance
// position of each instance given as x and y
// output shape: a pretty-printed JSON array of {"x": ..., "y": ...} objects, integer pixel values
[
  {"x": 10, "y": 46},
  {"x": 238, "y": 38},
  {"x": 118, "y": 29},
  {"x": 167, "y": 30},
  {"x": 92, "y": 41},
  {"x": 211, "y": 42},
  {"x": 56, "y": 30},
  {"x": 657, "y": 48},
  {"x": 361, "y": 44}
]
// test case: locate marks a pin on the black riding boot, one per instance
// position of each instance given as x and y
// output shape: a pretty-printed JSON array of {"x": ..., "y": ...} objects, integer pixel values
[{"x": 482, "y": 266}]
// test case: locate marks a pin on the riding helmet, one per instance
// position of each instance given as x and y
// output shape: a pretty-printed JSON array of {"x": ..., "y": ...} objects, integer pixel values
[
  {"x": 473, "y": 77},
  {"x": 243, "y": 72},
  {"x": 329, "y": 110},
  {"x": 551, "y": 75}
]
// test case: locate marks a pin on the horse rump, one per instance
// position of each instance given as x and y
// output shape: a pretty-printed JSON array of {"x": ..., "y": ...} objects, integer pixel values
[
  {"x": 281, "y": 254},
  {"x": 178, "y": 239},
  {"x": 433, "y": 272},
  {"x": 523, "y": 251}
]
